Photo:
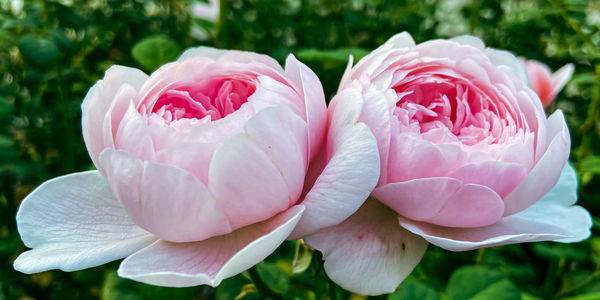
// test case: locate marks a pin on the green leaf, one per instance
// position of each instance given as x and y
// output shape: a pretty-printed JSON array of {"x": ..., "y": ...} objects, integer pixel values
[
  {"x": 237, "y": 287},
  {"x": 302, "y": 257},
  {"x": 275, "y": 277},
  {"x": 5, "y": 142},
  {"x": 591, "y": 164},
  {"x": 152, "y": 292},
  {"x": 589, "y": 296},
  {"x": 334, "y": 57},
  {"x": 41, "y": 52},
  {"x": 116, "y": 288},
  {"x": 413, "y": 289},
  {"x": 558, "y": 251},
  {"x": 155, "y": 51},
  {"x": 478, "y": 283}
]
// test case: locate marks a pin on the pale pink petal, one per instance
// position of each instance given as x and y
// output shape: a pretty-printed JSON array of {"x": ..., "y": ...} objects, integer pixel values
[
  {"x": 246, "y": 182},
  {"x": 272, "y": 93},
  {"x": 561, "y": 77},
  {"x": 505, "y": 60},
  {"x": 133, "y": 135},
  {"x": 282, "y": 135},
  {"x": 202, "y": 51},
  {"x": 311, "y": 90},
  {"x": 99, "y": 99},
  {"x": 368, "y": 64},
  {"x": 443, "y": 201},
  {"x": 418, "y": 199},
  {"x": 369, "y": 253},
  {"x": 471, "y": 206},
  {"x": 501, "y": 177},
  {"x": 469, "y": 40},
  {"x": 550, "y": 219},
  {"x": 123, "y": 100},
  {"x": 74, "y": 222},
  {"x": 546, "y": 172},
  {"x": 229, "y": 56},
  {"x": 212, "y": 260},
  {"x": 165, "y": 200},
  {"x": 193, "y": 149},
  {"x": 350, "y": 174},
  {"x": 376, "y": 114},
  {"x": 412, "y": 157}
]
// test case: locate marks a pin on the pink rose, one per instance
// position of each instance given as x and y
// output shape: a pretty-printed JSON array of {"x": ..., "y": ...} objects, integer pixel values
[
  {"x": 204, "y": 168},
  {"x": 468, "y": 160},
  {"x": 545, "y": 83}
]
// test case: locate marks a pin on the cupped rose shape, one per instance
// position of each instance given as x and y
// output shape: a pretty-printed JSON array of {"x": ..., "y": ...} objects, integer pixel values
[
  {"x": 545, "y": 83},
  {"x": 204, "y": 168},
  {"x": 468, "y": 160}
]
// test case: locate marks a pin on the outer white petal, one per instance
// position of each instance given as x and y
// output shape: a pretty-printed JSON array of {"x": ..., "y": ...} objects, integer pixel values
[
  {"x": 209, "y": 261},
  {"x": 74, "y": 222},
  {"x": 369, "y": 253},
  {"x": 550, "y": 219}
]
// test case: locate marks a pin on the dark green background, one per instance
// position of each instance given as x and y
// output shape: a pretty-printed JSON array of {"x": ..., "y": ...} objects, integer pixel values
[{"x": 51, "y": 52}]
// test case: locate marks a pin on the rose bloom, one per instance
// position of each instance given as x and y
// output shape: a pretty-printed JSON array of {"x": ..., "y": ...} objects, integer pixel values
[
  {"x": 203, "y": 169},
  {"x": 468, "y": 160},
  {"x": 545, "y": 83}
]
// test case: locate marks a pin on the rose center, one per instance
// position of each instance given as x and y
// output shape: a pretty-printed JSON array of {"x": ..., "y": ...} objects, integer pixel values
[
  {"x": 446, "y": 105},
  {"x": 206, "y": 100}
]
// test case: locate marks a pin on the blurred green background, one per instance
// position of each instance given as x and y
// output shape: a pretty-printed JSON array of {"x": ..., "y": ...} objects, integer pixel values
[{"x": 51, "y": 52}]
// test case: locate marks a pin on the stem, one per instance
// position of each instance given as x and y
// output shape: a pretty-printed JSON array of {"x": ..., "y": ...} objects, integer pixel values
[
  {"x": 221, "y": 36},
  {"x": 481, "y": 254},
  {"x": 262, "y": 286}
]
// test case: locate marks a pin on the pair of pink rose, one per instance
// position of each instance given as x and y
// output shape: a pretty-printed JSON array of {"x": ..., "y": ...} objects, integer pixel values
[{"x": 209, "y": 164}]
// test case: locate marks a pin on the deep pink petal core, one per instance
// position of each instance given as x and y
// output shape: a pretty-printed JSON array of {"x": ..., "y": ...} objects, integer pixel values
[{"x": 203, "y": 99}]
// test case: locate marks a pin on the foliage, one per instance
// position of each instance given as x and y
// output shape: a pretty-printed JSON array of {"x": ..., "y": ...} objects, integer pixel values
[{"x": 53, "y": 51}]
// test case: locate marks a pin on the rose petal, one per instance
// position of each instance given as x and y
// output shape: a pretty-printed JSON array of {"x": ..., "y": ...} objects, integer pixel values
[
  {"x": 561, "y": 77},
  {"x": 546, "y": 172},
  {"x": 443, "y": 201},
  {"x": 167, "y": 201},
  {"x": 349, "y": 176},
  {"x": 246, "y": 182},
  {"x": 368, "y": 253},
  {"x": 99, "y": 99},
  {"x": 376, "y": 114},
  {"x": 501, "y": 177},
  {"x": 418, "y": 199},
  {"x": 212, "y": 260},
  {"x": 310, "y": 88},
  {"x": 282, "y": 135},
  {"x": 74, "y": 222},
  {"x": 202, "y": 51},
  {"x": 550, "y": 219}
]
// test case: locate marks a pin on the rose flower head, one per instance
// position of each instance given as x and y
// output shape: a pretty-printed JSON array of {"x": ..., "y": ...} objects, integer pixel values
[
  {"x": 468, "y": 160},
  {"x": 203, "y": 169}
]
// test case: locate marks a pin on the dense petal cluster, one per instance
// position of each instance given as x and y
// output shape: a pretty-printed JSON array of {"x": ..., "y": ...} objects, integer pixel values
[
  {"x": 468, "y": 159},
  {"x": 204, "y": 168}
]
